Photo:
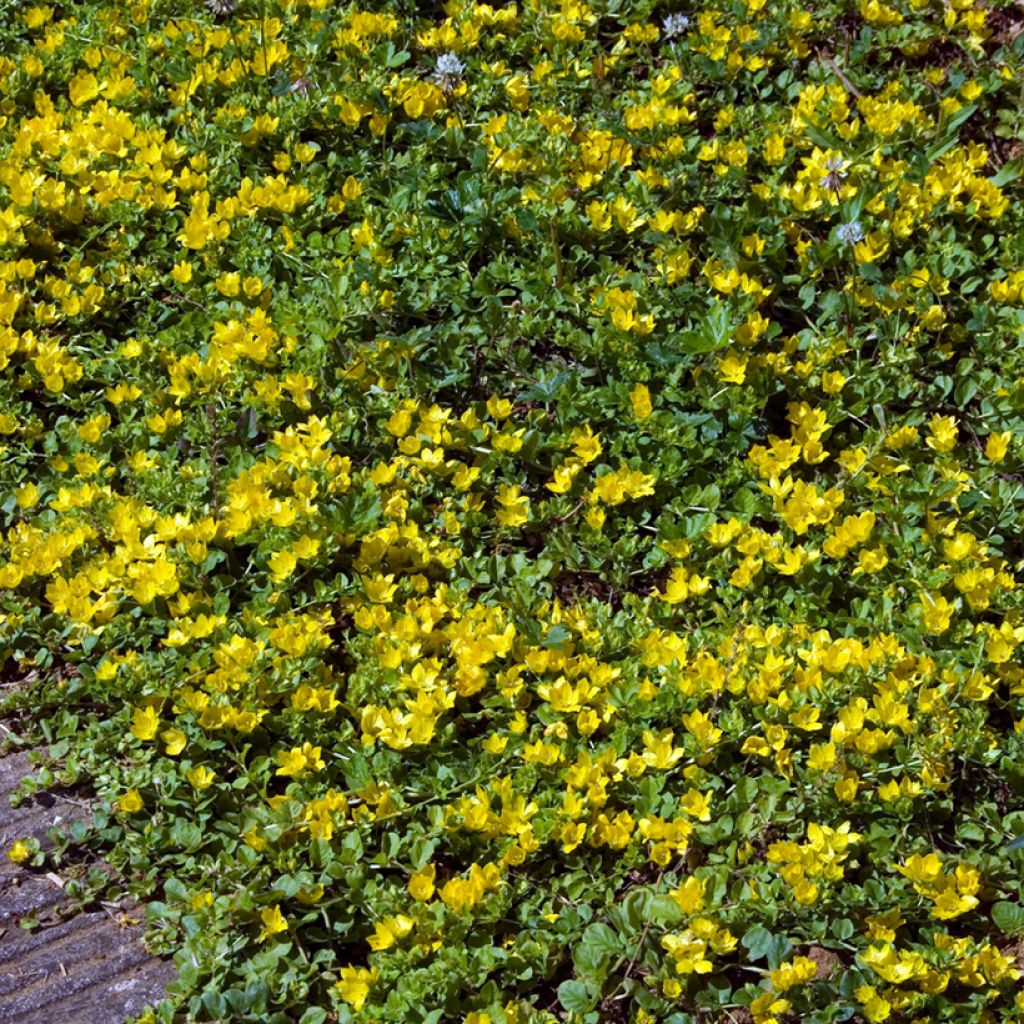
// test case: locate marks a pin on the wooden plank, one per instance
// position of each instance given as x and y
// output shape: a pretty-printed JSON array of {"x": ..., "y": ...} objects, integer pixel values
[{"x": 76, "y": 968}]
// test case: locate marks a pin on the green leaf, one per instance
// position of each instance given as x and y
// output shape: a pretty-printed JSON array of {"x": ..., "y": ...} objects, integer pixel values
[
  {"x": 744, "y": 501},
  {"x": 589, "y": 962},
  {"x": 556, "y": 636},
  {"x": 357, "y": 771},
  {"x": 600, "y": 936},
  {"x": 575, "y": 996},
  {"x": 1010, "y": 171},
  {"x": 187, "y": 835},
  {"x": 820, "y": 137},
  {"x": 949, "y": 137},
  {"x": 763, "y": 945},
  {"x": 713, "y": 334},
  {"x": 395, "y": 58},
  {"x": 1009, "y": 917},
  {"x": 960, "y": 117},
  {"x": 665, "y": 910}
]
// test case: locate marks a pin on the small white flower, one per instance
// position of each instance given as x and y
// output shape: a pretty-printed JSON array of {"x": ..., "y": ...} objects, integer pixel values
[
  {"x": 675, "y": 25},
  {"x": 851, "y": 233},
  {"x": 222, "y": 7},
  {"x": 448, "y": 71},
  {"x": 836, "y": 175},
  {"x": 302, "y": 84}
]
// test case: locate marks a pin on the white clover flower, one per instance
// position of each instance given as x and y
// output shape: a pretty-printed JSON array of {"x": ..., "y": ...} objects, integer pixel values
[
  {"x": 851, "y": 233},
  {"x": 222, "y": 7},
  {"x": 448, "y": 71},
  {"x": 836, "y": 175},
  {"x": 675, "y": 25},
  {"x": 302, "y": 85}
]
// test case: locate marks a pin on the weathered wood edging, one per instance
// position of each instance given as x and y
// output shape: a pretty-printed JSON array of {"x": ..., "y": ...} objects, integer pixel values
[{"x": 88, "y": 967}]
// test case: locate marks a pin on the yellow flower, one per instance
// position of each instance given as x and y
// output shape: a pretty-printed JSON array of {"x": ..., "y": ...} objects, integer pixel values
[
  {"x": 640, "y": 399},
  {"x": 876, "y": 1009},
  {"x": 702, "y": 728},
  {"x": 936, "y": 612},
  {"x": 586, "y": 444},
  {"x": 821, "y": 757},
  {"x": 19, "y": 852},
  {"x": 950, "y": 904},
  {"x": 354, "y": 985},
  {"x": 388, "y": 931},
  {"x": 872, "y": 560},
  {"x": 732, "y": 367},
  {"x": 83, "y": 88},
  {"x": 229, "y": 284},
  {"x": 130, "y": 802},
  {"x": 805, "y": 892},
  {"x": 689, "y": 953},
  {"x": 933, "y": 318},
  {"x": 995, "y": 446},
  {"x": 901, "y": 438},
  {"x": 282, "y": 565},
  {"x": 421, "y": 885},
  {"x": 846, "y": 788},
  {"x": 752, "y": 245},
  {"x": 696, "y": 805},
  {"x": 27, "y": 496},
  {"x": 174, "y": 741},
  {"x": 775, "y": 149},
  {"x": 145, "y": 723},
  {"x": 922, "y": 871},
  {"x": 832, "y": 382},
  {"x": 689, "y": 896},
  {"x": 872, "y": 249},
  {"x": 571, "y": 835},
  {"x": 273, "y": 922},
  {"x": 201, "y": 777},
  {"x": 598, "y": 215},
  {"x": 515, "y": 506},
  {"x": 254, "y": 840},
  {"x": 798, "y": 971},
  {"x": 202, "y": 227},
  {"x": 495, "y": 743},
  {"x": 499, "y": 408},
  {"x": 942, "y": 433},
  {"x": 564, "y": 476},
  {"x": 296, "y": 761},
  {"x": 182, "y": 272}
]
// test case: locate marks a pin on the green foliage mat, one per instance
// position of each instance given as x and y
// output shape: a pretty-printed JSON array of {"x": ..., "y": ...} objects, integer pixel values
[{"x": 515, "y": 510}]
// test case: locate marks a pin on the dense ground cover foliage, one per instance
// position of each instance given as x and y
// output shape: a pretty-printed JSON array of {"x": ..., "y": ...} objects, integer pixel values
[{"x": 515, "y": 509}]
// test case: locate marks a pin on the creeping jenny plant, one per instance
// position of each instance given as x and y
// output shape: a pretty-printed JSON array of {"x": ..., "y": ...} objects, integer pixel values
[{"x": 514, "y": 509}]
